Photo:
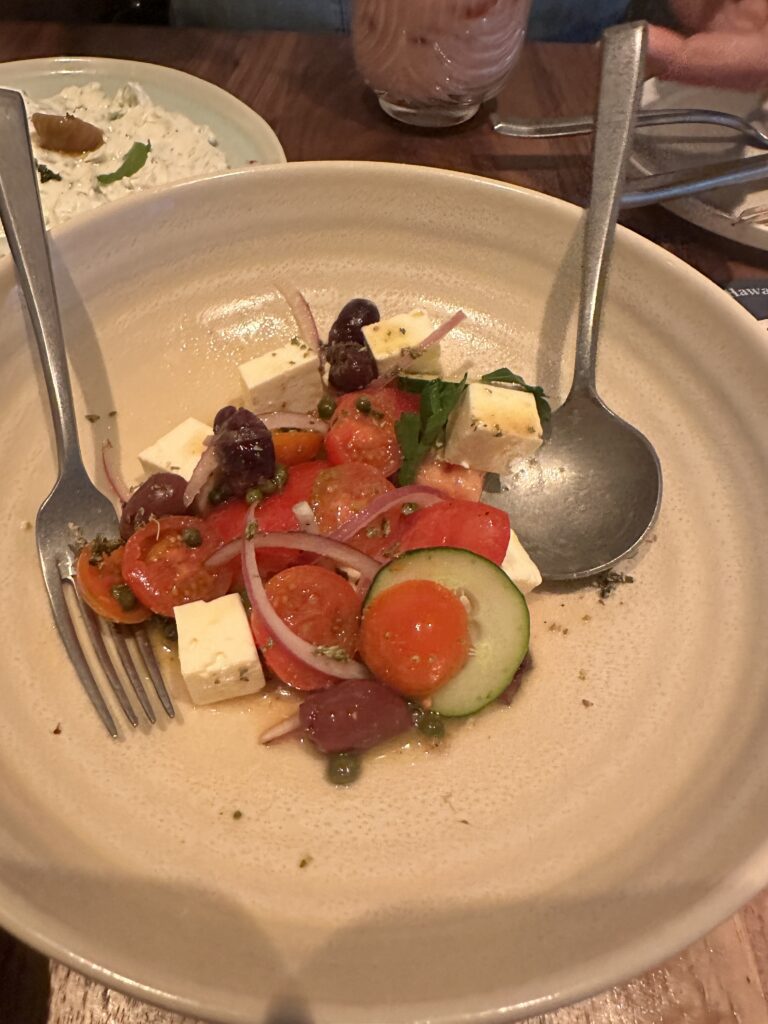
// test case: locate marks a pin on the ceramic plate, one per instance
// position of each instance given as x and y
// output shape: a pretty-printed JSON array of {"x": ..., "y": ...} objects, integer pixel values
[
  {"x": 242, "y": 134},
  {"x": 612, "y": 814},
  {"x": 675, "y": 146}
]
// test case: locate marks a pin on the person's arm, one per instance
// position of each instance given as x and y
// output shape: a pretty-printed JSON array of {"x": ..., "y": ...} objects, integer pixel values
[{"x": 727, "y": 47}]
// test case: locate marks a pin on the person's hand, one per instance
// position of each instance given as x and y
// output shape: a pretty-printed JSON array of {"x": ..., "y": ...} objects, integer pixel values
[{"x": 726, "y": 44}]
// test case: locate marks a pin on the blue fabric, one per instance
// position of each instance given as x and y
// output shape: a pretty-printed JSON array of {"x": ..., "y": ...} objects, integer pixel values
[{"x": 557, "y": 20}]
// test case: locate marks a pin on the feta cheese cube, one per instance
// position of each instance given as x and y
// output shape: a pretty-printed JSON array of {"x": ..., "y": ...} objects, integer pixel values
[
  {"x": 178, "y": 451},
  {"x": 519, "y": 566},
  {"x": 492, "y": 426},
  {"x": 287, "y": 378},
  {"x": 216, "y": 649},
  {"x": 391, "y": 342}
]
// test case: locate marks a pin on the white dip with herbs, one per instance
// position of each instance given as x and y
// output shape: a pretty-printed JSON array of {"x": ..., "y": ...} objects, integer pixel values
[{"x": 179, "y": 149}]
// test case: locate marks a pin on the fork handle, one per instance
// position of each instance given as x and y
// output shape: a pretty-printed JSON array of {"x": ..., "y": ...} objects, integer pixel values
[{"x": 22, "y": 219}]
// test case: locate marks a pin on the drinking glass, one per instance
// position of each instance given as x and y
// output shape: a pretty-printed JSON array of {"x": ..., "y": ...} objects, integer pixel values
[{"x": 433, "y": 62}]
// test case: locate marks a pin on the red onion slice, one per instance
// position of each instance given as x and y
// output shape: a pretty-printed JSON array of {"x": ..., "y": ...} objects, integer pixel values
[
  {"x": 419, "y": 495},
  {"x": 325, "y": 547},
  {"x": 287, "y": 727},
  {"x": 112, "y": 473},
  {"x": 293, "y": 421},
  {"x": 302, "y": 314},
  {"x": 205, "y": 469},
  {"x": 416, "y": 350},
  {"x": 282, "y": 633}
]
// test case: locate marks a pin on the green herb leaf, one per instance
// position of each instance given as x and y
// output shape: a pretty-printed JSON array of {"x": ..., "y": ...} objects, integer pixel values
[
  {"x": 46, "y": 174},
  {"x": 505, "y": 376},
  {"x": 133, "y": 161},
  {"x": 418, "y": 432}
]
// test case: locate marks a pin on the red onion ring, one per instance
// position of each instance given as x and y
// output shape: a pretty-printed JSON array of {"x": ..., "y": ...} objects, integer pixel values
[
  {"x": 293, "y": 421},
  {"x": 325, "y": 547},
  {"x": 281, "y": 632},
  {"x": 416, "y": 493},
  {"x": 431, "y": 339},
  {"x": 302, "y": 314},
  {"x": 112, "y": 473},
  {"x": 205, "y": 469},
  {"x": 287, "y": 727}
]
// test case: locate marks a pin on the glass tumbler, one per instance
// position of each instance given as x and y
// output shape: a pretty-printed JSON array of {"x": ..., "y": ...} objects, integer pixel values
[{"x": 433, "y": 62}]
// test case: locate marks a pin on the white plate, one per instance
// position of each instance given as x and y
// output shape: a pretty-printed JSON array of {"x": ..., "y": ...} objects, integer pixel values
[
  {"x": 243, "y": 135},
  {"x": 550, "y": 849},
  {"x": 670, "y": 147}
]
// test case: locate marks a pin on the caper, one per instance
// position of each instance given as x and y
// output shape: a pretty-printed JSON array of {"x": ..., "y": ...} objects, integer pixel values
[
  {"x": 267, "y": 486},
  {"x": 254, "y": 495},
  {"x": 343, "y": 769},
  {"x": 192, "y": 536},
  {"x": 431, "y": 724},
  {"x": 363, "y": 405},
  {"x": 219, "y": 494},
  {"x": 168, "y": 627},
  {"x": 124, "y": 596},
  {"x": 326, "y": 407},
  {"x": 281, "y": 476}
]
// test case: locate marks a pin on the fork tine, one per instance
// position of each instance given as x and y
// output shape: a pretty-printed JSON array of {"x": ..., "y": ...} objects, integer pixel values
[
  {"x": 130, "y": 670},
  {"x": 145, "y": 646},
  {"x": 63, "y": 620},
  {"x": 94, "y": 632}
]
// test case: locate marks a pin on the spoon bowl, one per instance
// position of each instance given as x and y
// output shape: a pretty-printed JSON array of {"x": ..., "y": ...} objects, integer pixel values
[{"x": 589, "y": 496}]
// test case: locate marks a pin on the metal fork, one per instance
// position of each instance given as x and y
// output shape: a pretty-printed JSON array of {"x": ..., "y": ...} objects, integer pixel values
[
  {"x": 563, "y": 126},
  {"x": 74, "y": 508}
]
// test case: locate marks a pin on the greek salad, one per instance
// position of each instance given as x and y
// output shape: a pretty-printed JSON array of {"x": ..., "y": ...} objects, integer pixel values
[{"x": 328, "y": 536}]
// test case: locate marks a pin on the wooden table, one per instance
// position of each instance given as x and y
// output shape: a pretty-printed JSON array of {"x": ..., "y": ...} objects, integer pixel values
[{"x": 314, "y": 100}]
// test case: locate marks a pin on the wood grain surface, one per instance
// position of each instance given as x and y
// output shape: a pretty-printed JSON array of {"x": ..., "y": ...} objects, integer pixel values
[{"x": 307, "y": 88}]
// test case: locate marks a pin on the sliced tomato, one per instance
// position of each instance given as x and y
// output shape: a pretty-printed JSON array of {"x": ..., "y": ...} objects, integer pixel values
[
  {"x": 452, "y": 480},
  {"x": 321, "y": 608},
  {"x": 96, "y": 579},
  {"x": 275, "y": 514},
  {"x": 415, "y": 637},
  {"x": 293, "y": 447},
  {"x": 228, "y": 520},
  {"x": 457, "y": 524},
  {"x": 367, "y": 437},
  {"x": 164, "y": 571},
  {"x": 405, "y": 401},
  {"x": 340, "y": 492}
]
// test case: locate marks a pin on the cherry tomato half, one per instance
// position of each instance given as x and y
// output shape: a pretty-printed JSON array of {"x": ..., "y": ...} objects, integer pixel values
[
  {"x": 340, "y": 492},
  {"x": 321, "y": 608},
  {"x": 365, "y": 436},
  {"x": 164, "y": 563},
  {"x": 292, "y": 447},
  {"x": 275, "y": 514},
  {"x": 415, "y": 637},
  {"x": 99, "y": 580}
]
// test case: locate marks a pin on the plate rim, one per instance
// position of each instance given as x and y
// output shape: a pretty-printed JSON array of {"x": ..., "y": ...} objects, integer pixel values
[
  {"x": 695, "y": 209},
  {"x": 233, "y": 107},
  {"x": 616, "y": 967}
]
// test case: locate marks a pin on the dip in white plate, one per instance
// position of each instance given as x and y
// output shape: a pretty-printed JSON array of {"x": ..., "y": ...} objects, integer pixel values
[{"x": 180, "y": 148}]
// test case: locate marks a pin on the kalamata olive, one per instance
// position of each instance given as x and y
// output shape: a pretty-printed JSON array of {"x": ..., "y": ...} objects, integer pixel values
[
  {"x": 245, "y": 452},
  {"x": 222, "y": 416},
  {"x": 350, "y": 367},
  {"x": 357, "y": 313},
  {"x": 66, "y": 133},
  {"x": 353, "y": 715},
  {"x": 161, "y": 495}
]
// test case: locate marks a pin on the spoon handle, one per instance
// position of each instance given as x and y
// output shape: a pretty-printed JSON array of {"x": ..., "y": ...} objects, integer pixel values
[{"x": 620, "y": 81}]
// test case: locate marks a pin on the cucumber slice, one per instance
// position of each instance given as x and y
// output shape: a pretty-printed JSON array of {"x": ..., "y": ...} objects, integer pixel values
[{"x": 499, "y": 621}]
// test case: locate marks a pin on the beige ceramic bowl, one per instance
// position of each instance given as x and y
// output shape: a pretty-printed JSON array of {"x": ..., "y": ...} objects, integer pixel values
[{"x": 613, "y": 813}]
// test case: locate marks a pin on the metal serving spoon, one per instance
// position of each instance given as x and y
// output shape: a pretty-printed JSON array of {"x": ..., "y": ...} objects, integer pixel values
[{"x": 593, "y": 490}]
